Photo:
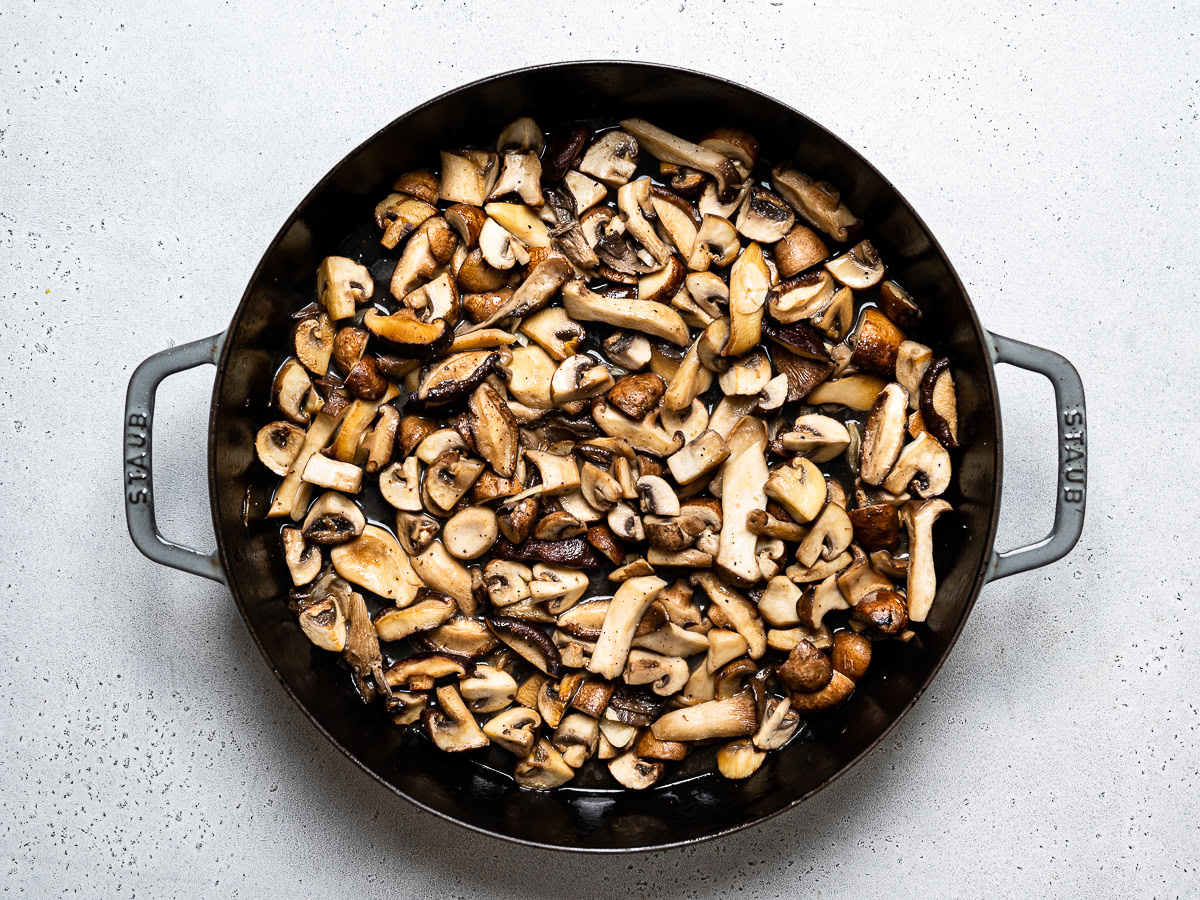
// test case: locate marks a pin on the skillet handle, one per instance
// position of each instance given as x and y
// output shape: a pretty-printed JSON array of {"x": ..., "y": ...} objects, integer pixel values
[
  {"x": 1071, "y": 498},
  {"x": 139, "y": 481}
]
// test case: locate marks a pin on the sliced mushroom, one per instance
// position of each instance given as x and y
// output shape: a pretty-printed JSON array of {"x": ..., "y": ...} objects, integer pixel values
[
  {"x": 644, "y": 436},
  {"x": 806, "y": 669},
  {"x": 533, "y": 293},
  {"x": 543, "y": 769},
  {"x": 488, "y": 690},
  {"x": 817, "y": 600},
  {"x": 494, "y": 429},
  {"x": 838, "y": 690},
  {"x": 324, "y": 623},
  {"x": 520, "y": 174},
  {"x": 447, "y": 479},
  {"x": 333, "y": 474},
  {"x": 376, "y": 562},
  {"x": 805, "y": 296},
  {"x": 678, "y": 219},
  {"x": 529, "y": 377},
  {"x": 829, "y": 536},
  {"x": 415, "y": 531},
  {"x": 451, "y": 725},
  {"x": 627, "y": 349},
  {"x": 400, "y": 484},
  {"x": 925, "y": 464},
  {"x": 530, "y": 642},
  {"x": 399, "y": 214},
  {"x": 514, "y": 729},
  {"x": 939, "y": 406},
  {"x": 334, "y": 519},
  {"x": 663, "y": 145},
  {"x": 313, "y": 340},
  {"x": 396, "y": 624},
  {"x": 291, "y": 388},
  {"x": 799, "y": 249},
  {"x": 919, "y": 517},
  {"x": 506, "y": 582},
  {"x": 744, "y": 474},
  {"x": 817, "y": 202},
  {"x": 734, "y": 717},
  {"x": 612, "y": 158},
  {"x": 442, "y": 572},
  {"x": 853, "y": 391},
  {"x": 851, "y": 654},
  {"x": 278, "y": 445},
  {"x": 764, "y": 217},
  {"x": 739, "y": 759},
  {"x": 646, "y": 316},
  {"x": 746, "y": 375},
  {"x": 554, "y": 331},
  {"x": 876, "y": 527},
  {"x": 621, "y": 619},
  {"x": 500, "y": 249},
  {"x": 716, "y": 243},
  {"x": 666, "y": 675},
  {"x": 560, "y": 474},
  {"x": 579, "y": 377},
  {"x": 303, "y": 559},
  {"x": 471, "y": 532},
  {"x": 456, "y": 376},
  {"x": 799, "y": 488},
  {"x": 584, "y": 191},
  {"x": 635, "y": 773},
  {"x": 898, "y": 305},
  {"x": 468, "y": 176},
  {"x": 883, "y": 611},
  {"x": 663, "y": 285},
  {"x": 749, "y": 282},
  {"x": 820, "y": 438},
  {"x": 912, "y": 361},
  {"x": 779, "y": 725},
  {"x": 406, "y": 335},
  {"x": 859, "y": 267},
  {"x": 712, "y": 204},
  {"x": 698, "y": 457},
  {"x": 341, "y": 285},
  {"x": 461, "y": 637},
  {"x": 883, "y": 435},
  {"x": 739, "y": 611},
  {"x": 877, "y": 343},
  {"x": 576, "y": 738}
]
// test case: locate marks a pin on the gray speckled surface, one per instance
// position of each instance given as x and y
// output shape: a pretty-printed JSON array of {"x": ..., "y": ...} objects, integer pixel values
[{"x": 148, "y": 152}]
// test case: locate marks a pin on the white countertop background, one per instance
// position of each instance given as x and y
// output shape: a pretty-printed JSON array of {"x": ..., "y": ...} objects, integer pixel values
[{"x": 149, "y": 152}]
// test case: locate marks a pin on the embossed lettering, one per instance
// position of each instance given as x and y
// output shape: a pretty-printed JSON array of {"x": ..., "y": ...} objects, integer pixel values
[
  {"x": 137, "y": 420},
  {"x": 1072, "y": 417},
  {"x": 140, "y": 496},
  {"x": 1073, "y": 495}
]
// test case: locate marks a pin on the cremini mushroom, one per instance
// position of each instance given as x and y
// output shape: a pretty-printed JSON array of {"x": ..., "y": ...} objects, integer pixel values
[
  {"x": 394, "y": 624},
  {"x": 612, "y": 158},
  {"x": 764, "y": 217},
  {"x": 820, "y": 438},
  {"x": 883, "y": 435},
  {"x": 818, "y": 599},
  {"x": 450, "y": 724},
  {"x": 278, "y": 445},
  {"x": 799, "y": 487},
  {"x": 291, "y": 389},
  {"x": 817, "y": 202},
  {"x": 778, "y": 726},
  {"x": 925, "y": 464},
  {"x": 747, "y": 375},
  {"x": 333, "y": 519},
  {"x": 514, "y": 729},
  {"x": 799, "y": 249},
  {"x": 859, "y": 267},
  {"x": 627, "y": 349},
  {"x": 341, "y": 285},
  {"x": 554, "y": 331},
  {"x": 828, "y": 536},
  {"x": 716, "y": 243},
  {"x": 303, "y": 559},
  {"x": 579, "y": 377}
]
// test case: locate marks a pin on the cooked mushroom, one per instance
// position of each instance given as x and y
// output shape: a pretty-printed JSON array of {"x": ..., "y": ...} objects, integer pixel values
[
  {"x": 667, "y": 147},
  {"x": 529, "y": 376},
  {"x": 633, "y": 772},
  {"x": 554, "y": 331},
  {"x": 521, "y": 174},
  {"x": 291, "y": 388},
  {"x": 576, "y": 738},
  {"x": 817, "y": 600},
  {"x": 529, "y": 641},
  {"x": 584, "y": 191},
  {"x": 341, "y": 285},
  {"x": 514, "y": 729},
  {"x": 396, "y": 624},
  {"x": 442, "y": 572},
  {"x": 838, "y": 690},
  {"x": 488, "y": 690},
  {"x": 579, "y": 377},
  {"x": 646, "y": 316},
  {"x": 799, "y": 249},
  {"x": 657, "y": 496},
  {"x": 749, "y": 282},
  {"x": 303, "y": 559},
  {"x": 799, "y": 488},
  {"x": 898, "y": 305},
  {"x": 820, "y": 438},
  {"x": 734, "y": 717},
  {"x": 629, "y": 350},
  {"x": 919, "y": 517},
  {"x": 939, "y": 406},
  {"x": 334, "y": 519},
  {"x": 739, "y": 759},
  {"x": 455, "y": 376},
  {"x": 716, "y": 243},
  {"x": 884, "y": 611},
  {"x": 468, "y": 176},
  {"x": 451, "y": 725},
  {"x": 698, "y": 457},
  {"x": 818, "y": 202},
  {"x": 560, "y": 474},
  {"x": 805, "y": 296},
  {"x": 278, "y": 445},
  {"x": 324, "y": 623},
  {"x": 471, "y": 532},
  {"x": 447, "y": 479},
  {"x": 533, "y": 293},
  {"x": 743, "y": 478},
  {"x": 637, "y": 395},
  {"x": 406, "y": 335},
  {"x": 746, "y": 375},
  {"x": 612, "y": 158},
  {"x": 739, "y": 611},
  {"x": 860, "y": 267},
  {"x": 621, "y": 619},
  {"x": 415, "y": 531},
  {"x": 853, "y": 391},
  {"x": 779, "y": 724},
  {"x": 883, "y": 435},
  {"x": 313, "y": 340},
  {"x": 877, "y": 526},
  {"x": 764, "y": 217},
  {"x": 543, "y": 769},
  {"x": 777, "y": 605},
  {"x": 827, "y": 538},
  {"x": 851, "y": 654},
  {"x": 330, "y": 473},
  {"x": 375, "y": 561},
  {"x": 678, "y": 219},
  {"x": 806, "y": 669},
  {"x": 644, "y": 436},
  {"x": 923, "y": 463},
  {"x": 500, "y": 249}
]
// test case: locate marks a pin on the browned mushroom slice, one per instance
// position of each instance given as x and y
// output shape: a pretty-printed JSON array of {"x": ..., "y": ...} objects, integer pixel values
[
  {"x": 860, "y": 267},
  {"x": 396, "y": 624},
  {"x": 739, "y": 611},
  {"x": 562, "y": 151},
  {"x": 828, "y": 537},
  {"x": 415, "y": 531},
  {"x": 749, "y": 282},
  {"x": 698, "y": 457},
  {"x": 627, "y": 349},
  {"x": 799, "y": 488},
  {"x": 557, "y": 526},
  {"x": 579, "y": 377},
  {"x": 820, "y": 438},
  {"x": 455, "y": 376},
  {"x": 451, "y": 725},
  {"x": 852, "y": 391},
  {"x": 924, "y": 464},
  {"x": 621, "y": 619},
  {"x": 818, "y": 202},
  {"x": 806, "y": 669},
  {"x": 635, "y": 773},
  {"x": 939, "y": 406},
  {"x": 514, "y": 729},
  {"x": 375, "y": 561},
  {"x": 876, "y": 343},
  {"x": 883, "y": 611},
  {"x": 462, "y": 637},
  {"x": 919, "y": 516},
  {"x": 313, "y": 340},
  {"x": 303, "y": 559},
  {"x": 554, "y": 331},
  {"x": 612, "y": 158},
  {"x": 817, "y": 600},
  {"x": 898, "y": 305},
  {"x": 734, "y": 717},
  {"x": 278, "y": 445},
  {"x": 876, "y": 527},
  {"x": 406, "y": 335},
  {"x": 543, "y": 769},
  {"x": 471, "y": 532},
  {"x": 488, "y": 689},
  {"x": 334, "y": 519},
  {"x": 649, "y": 317},
  {"x": 468, "y": 176},
  {"x": 399, "y": 215},
  {"x": 290, "y": 390},
  {"x": 494, "y": 429},
  {"x": 838, "y": 690},
  {"x": 447, "y": 479},
  {"x": 420, "y": 183},
  {"x": 529, "y": 641},
  {"x": 341, "y": 285},
  {"x": 883, "y": 434},
  {"x": 644, "y": 436},
  {"x": 670, "y": 148},
  {"x": 764, "y": 217},
  {"x": 716, "y": 243}
]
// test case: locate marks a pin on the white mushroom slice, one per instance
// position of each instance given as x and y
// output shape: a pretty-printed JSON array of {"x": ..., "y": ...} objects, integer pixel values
[
  {"x": 618, "y": 733},
  {"x": 780, "y": 722},
  {"x": 576, "y": 737},
  {"x": 679, "y": 220},
  {"x": 663, "y": 285},
  {"x": 716, "y": 243},
  {"x": 627, "y": 349},
  {"x": 919, "y": 517},
  {"x": 744, "y": 474},
  {"x": 799, "y": 488},
  {"x": 443, "y": 573},
  {"x": 447, "y": 479},
  {"x": 646, "y": 316},
  {"x": 860, "y": 267},
  {"x": 670, "y": 148},
  {"x": 635, "y": 773},
  {"x": 803, "y": 297},
  {"x": 400, "y": 484},
  {"x": 777, "y": 605},
  {"x": 818, "y": 202},
  {"x": 853, "y": 391},
  {"x": 612, "y": 158},
  {"x": 499, "y": 248},
  {"x": 303, "y": 559},
  {"x": 690, "y": 558},
  {"x": 292, "y": 496},
  {"x": 883, "y": 435},
  {"x": 689, "y": 381},
  {"x": 543, "y": 769},
  {"x": 625, "y": 611},
  {"x": 437, "y": 443},
  {"x": 749, "y": 282},
  {"x": 521, "y": 134},
  {"x": 644, "y": 435},
  {"x": 658, "y": 498},
  {"x": 278, "y": 445},
  {"x": 375, "y": 561},
  {"x": 728, "y": 412},
  {"x": 764, "y": 217},
  {"x": 489, "y": 690},
  {"x": 735, "y": 717},
  {"x": 506, "y": 582},
  {"x": 690, "y": 422},
  {"x": 341, "y": 285},
  {"x": 820, "y": 438},
  {"x": 773, "y": 394},
  {"x": 817, "y": 600},
  {"x": 666, "y": 675},
  {"x": 600, "y": 489},
  {"x": 468, "y": 176},
  {"x": 555, "y": 332},
  {"x": 529, "y": 375},
  {"x": 576, "y": 504},
  {"x": 820, "y": 570},
  {"x": 333, "y": 519},
  {"x": 451, "y": 725},
  {"x": 397, "y": 624},
  {"x": 579, "y": 377},
  {"x": 586, "y": 192},
  {"x": 737, "y": 609},
  {"x": 770, "y": 553},
  {"x": 330, "y": 473},
  {"x": 560, "y": 474},
  {"x": 745, "y": 376},
  {"x": 786, "y": 639},
  {"x": 325, "y": 625},
  {"x": 558, "y": 584},
  {"x": 471, "y": 532},
  {"x": 633, "y": 200},
  {"x": 925, "y": 464},
  {"x": 290, "y": 390},
  {"x": 698, "y": 457},
  {"x": 712, "y": 205},
  {"x": 672, "y": 640},
  {"x": 522, "y": 175},
  {"x": 514, "y": 729},
  {"x": 828, "y": 538},
  {"x": 708, "y": 290},
  {"x": 723, "y": 646},
  {"x": 626, "y": 524},
  {"x": 521, "y": 222},
  {"x": 912, "y": 359}
]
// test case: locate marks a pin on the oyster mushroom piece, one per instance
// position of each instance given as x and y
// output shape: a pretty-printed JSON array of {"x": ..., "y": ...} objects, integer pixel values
[
  {"x": 744, "y": 474},
  {"x": 817, "y": 202},
  {"x": 533, "y": 293},
  {"x": 554, "y": 331},
  {"x": 445, "y": 574},
  {"x": 829, "y": 536},
  {"x": 925, "y": 464},
  {"x": 375, "y": 561},
  {"x": 800, "y": 249},
  {"x": 396, "y": 624},
  {"x": 579, "y": 377},
  {"x": 334, "y": 519},
  {"x": 749, "y": 282},
  {"x": 303, "y": 559},
  {"x": 468, "y": 176},
  {"x": 543, "y": 769},
  {"x": 644, "y": 436},
  {"x": 494, "y": 429},
  {"x": 278, "y": 445},
  {"x": 764, "y": 217},
  {"x": 716, "y": 243},
  {"x": 621, "y": 619},
  {"x": 471, "y": 532},
  {"x": 521, "y": 174},
  {"x": 451, "y": 725},
  {"x": 530, "y": 642},
  {"x": 341, "y": 285},
  {"x": 633, "y": 200},
  {"x": 646, "y": 316},
  {"x": 514, "y": 729},
  {"x": 820, "y": 438},
  {"x": 799, "y": 488},
  {"x": 612, "y": 158},
  {"x": 627, "y": 349},
  {"x": 380, "y": 442},
  {"x": 883, "y": 435},
  {"x": 859, "y": 267},
  {"x": 461, "y": 637},
  {"x": 739, "y": 611},
  {"x": 667, "y": 147},
  {"x": 736, "y": 716},
  {"x": 698, "y": 458}
]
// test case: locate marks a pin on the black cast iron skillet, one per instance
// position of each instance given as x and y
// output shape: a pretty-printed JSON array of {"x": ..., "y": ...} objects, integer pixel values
[{"x": 689, "y": 805}]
